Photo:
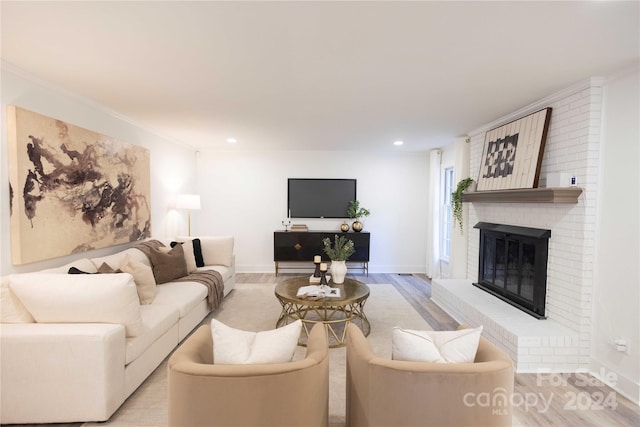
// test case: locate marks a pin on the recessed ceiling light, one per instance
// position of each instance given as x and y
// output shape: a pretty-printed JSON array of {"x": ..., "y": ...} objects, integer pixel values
[
  {"x": 398, "y": 143},
  {"x": 232, "y": 140}
]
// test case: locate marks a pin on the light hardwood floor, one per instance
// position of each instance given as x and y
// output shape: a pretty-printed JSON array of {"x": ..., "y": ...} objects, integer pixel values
[{"x": 544, "y": 400}]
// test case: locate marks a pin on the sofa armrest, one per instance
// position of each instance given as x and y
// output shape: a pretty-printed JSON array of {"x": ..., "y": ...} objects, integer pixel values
[{"x": 61, "y": 372}]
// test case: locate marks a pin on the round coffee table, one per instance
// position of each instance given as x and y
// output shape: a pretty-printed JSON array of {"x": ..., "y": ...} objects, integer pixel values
[{"x": 334, "y": 312}]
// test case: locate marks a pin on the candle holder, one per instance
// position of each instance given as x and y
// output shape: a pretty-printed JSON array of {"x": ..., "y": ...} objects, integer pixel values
[
  {"x": 323, "y": 280},
  {"x": 317, "y": 260},
  {"x": 323, "y": 276}
]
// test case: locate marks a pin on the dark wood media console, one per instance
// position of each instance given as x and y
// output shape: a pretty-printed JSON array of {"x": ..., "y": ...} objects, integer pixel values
[{"x": 302, "y": 246}]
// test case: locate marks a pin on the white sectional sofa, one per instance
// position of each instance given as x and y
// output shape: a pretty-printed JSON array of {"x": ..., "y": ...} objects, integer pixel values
[{"x": 77, "y": 371}]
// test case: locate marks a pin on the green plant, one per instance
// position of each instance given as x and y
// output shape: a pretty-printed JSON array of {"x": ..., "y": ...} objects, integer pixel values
[
  {"x": 341, "y": 250},
  {"x": 355, "y": 211},
  {"x": 456, "y": 200}
]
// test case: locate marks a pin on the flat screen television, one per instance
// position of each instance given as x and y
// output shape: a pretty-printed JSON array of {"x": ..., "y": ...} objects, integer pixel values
[{"x": 320, "y": 198}]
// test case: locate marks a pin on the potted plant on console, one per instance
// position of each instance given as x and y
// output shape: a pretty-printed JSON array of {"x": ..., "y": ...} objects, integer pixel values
[
  {"x": 356, "y": 212},
  {"x": 338, "y": 252}
]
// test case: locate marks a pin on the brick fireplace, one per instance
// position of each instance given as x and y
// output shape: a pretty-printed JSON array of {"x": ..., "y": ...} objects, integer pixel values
[{"x": 562, "y": 340}]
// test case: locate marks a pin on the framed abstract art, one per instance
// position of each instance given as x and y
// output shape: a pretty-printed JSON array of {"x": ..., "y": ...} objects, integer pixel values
[
  {"x": 512, "y": 153},
  {"x": 72, "y": 190}
]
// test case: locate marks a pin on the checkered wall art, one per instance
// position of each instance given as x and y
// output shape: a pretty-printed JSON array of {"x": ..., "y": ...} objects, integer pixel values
[{"x": 512, "y": 153}]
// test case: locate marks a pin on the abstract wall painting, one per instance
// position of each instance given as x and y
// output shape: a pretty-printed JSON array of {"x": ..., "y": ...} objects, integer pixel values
[
  {"x": 512, "y": 154},
  {"x": 72, "y": 190}
]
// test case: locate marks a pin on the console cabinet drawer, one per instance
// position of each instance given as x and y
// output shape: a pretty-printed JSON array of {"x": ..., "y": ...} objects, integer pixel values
[{"x": 304, "y": 245}]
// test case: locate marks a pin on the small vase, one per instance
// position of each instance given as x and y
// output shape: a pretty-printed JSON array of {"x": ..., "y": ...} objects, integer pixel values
[
  {"x": 344, "y": 227},
  {"x": 338, "y": 271},
  {"x": 356, "y": 226}
]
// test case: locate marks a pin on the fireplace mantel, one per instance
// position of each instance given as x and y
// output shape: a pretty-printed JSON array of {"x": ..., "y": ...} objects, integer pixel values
[{"x": 525, "y": 195}]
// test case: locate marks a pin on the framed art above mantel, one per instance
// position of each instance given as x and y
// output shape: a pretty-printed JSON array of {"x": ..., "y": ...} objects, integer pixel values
[{"x": 512, "y": 153}]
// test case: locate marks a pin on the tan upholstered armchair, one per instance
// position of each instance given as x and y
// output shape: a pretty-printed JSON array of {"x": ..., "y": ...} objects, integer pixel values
[
  {"x": 283, "y": 394},
  {"x": 383, "y": 392}
]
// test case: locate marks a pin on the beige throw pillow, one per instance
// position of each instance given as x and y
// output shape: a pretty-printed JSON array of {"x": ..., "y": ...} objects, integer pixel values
[
  {"x": 168, "y": 266},
  {"x": 237, "y": 347},
  {"x": 436, "y": 346},
  {"x": 189, "y": 256},
  {"x": 143, "y": 276}
]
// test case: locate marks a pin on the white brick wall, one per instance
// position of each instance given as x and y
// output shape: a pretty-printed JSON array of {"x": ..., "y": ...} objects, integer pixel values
[{"x": 573, "y": 146}]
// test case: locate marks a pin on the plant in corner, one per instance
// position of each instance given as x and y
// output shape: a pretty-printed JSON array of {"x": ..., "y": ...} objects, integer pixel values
[
  {"x": 355, "y": 211},
  {"x": 456, "y": 200}
]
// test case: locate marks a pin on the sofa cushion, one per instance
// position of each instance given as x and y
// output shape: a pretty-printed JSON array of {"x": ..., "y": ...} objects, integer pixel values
[
  {"x": 11, "y": 309},
  {"x": 157, "y": 320},
  {"x": 225, "y": 272},
  {"x": 116, "y": 259},
  {"x": 168, "y": 265},
  {"x": 182, "y": 295},
  {"x": 83, "y": 264},
  {"x": 142, "y": 276},
  {"x": 80, "y": 298},
  {"x": 234, "y": 346},
  {"x": 216, "y": 250},
  {"x": 436, "y": 346}
]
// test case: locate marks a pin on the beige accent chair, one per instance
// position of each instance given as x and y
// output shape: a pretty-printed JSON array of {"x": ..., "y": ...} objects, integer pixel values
[
  {"x": 383, "y": 392},
  {"x": 202, "y": 393}
]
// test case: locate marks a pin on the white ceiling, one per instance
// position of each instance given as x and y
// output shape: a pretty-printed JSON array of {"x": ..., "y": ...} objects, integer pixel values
[{"x": 318, "y": 75}]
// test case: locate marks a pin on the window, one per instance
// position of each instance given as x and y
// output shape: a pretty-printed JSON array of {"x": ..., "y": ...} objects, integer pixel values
[{"x": 446, "y": 218}]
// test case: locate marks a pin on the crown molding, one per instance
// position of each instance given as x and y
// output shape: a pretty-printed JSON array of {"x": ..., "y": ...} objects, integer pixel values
[
  {"x": 22, "y": 73},
  {"x": 540, "y": 104}
]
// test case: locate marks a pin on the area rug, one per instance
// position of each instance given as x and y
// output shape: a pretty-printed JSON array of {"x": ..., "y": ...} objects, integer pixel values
[{"x": 254, "y": 307}]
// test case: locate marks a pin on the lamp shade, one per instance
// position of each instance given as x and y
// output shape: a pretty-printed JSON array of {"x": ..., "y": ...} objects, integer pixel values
[{"x": 188, "y": 201}]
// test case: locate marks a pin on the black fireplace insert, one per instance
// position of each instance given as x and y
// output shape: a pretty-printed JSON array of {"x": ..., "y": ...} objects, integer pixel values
[{"x": 513, "y": 265}]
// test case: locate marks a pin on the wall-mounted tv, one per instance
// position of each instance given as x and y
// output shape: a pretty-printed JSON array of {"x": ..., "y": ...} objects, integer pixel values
[{"x": 320, "y": 198}]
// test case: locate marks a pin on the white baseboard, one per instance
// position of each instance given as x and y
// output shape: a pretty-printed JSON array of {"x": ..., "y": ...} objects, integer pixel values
[{"x": 622, "y": 384}]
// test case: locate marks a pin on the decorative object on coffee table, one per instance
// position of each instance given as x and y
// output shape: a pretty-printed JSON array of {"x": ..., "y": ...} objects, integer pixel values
[
  {"x": 323, "y": 275},
  {"x": 344, "y": 227},
  {"x": 340, "y": 252},
  {"x": 317, "y": 259},
  {"x": 338, "y": 271},
  {"x": 357, "y": 212}
]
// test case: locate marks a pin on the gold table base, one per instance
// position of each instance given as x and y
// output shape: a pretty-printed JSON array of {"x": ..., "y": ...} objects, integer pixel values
[{"x": 334, "y": 313}]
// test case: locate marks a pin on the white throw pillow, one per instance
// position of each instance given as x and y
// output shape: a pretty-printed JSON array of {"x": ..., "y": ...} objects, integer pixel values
[
  {"x": 80, "y": 298},
  {"x": 436, "y": 346},
  {"x": 236, "y": 347},
  {"x": 216, "y": 250},
  {"x": 142, "y": 276},
  {"x": 11, "y": 309}
]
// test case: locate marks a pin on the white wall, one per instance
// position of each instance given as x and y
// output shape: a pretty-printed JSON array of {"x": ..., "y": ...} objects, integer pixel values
[
  {"x": 172, "y": 165},
  {"x": 617, "y": 278},
  {"x": 245, "y": 194}
]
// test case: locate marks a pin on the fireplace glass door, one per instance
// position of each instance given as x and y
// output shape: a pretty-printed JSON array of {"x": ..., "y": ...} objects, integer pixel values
[{"x": 514, "y": 266}]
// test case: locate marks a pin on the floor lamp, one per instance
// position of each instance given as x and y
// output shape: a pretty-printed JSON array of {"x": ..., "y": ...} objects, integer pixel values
[{"x": 189, "y": 202}]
